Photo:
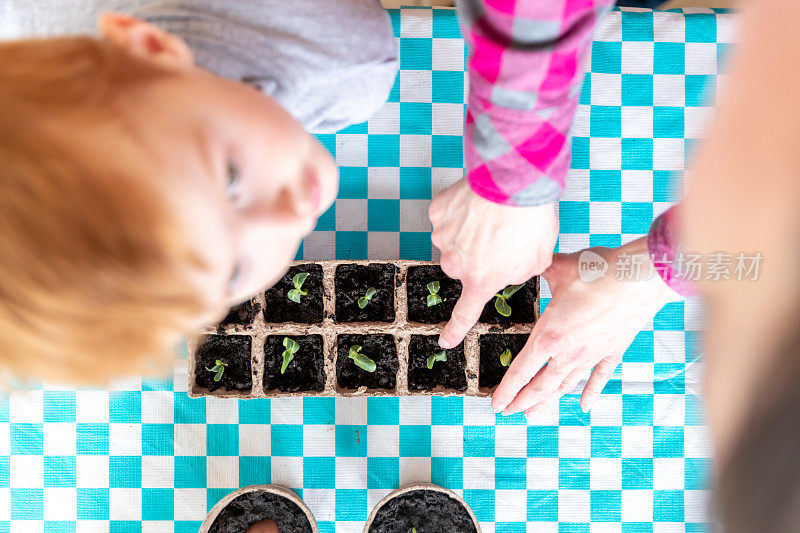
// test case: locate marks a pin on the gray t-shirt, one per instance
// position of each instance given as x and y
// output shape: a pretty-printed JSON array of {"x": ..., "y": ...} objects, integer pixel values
[{"x": 330, "y": 63}]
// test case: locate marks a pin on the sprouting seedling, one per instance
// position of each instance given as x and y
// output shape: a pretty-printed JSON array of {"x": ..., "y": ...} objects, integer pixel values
[
  {"x": 298, "y": 292},
  {"x": 500, "y": 301},
  {"x": 438, "y": 356},
  {"x": 360, "y": 359},
  {"x": 364, "y": 300},
  {"x": 219, "y": 368},
  {"x": 505, "y": 357},
  {"x": 288, "y": 354},
  {"x": 433, "y": 297}
]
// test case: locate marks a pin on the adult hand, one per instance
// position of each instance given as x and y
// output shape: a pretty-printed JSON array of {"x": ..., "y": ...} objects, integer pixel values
[
  {"x": 587, "y": 324},
  {"x": 487, "y": 246}
]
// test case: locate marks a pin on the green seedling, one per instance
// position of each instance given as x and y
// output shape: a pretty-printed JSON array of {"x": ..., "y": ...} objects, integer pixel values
[
  {"x": 360, "y": 359},
  {"x": 505, "y": 357},
  {"x": 219, "y": 368},
  {"x": 433, "y": 298},
  {"x": 288, "y": 354},
  {"x": 500, "y": 301},
  {"x": 364, "y": 300},
  {"x": 438, "y": 356},
  {"x": 413, "y": 530},
  {"x": 298, "y": 292}
]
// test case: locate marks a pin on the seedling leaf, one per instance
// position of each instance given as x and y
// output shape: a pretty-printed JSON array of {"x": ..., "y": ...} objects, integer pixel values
[
  {"x": 287, "y": 358},
  {"x": 433, "y": 298},
  {"x": 502, "y": 306},
  {"x": 299, "y": 279},
  {"x": 294, "y": 295},
  {"x": 298, "y": 292},
  {"x": 290, "y": 345},
  {"x": 511, "y": 290},
  {"x": 505, "y": 357},
  {"x": 364, "y": 300},
  {"x": 219, "y": 368},
  {"x": 438, "y": 356},
  {"x": 361, "y": 360},
  {"x": 288, "y": 354},
  {"x": 500, "y": 303}
]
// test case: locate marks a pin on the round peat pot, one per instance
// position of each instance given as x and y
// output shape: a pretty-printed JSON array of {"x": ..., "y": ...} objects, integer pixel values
[
  {"x": 240, "y": 509},
  {"x": 423, "y": 507}
]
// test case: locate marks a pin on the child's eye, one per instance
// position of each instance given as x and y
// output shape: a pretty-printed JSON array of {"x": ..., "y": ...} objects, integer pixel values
[{"x": 234, "y": 184}]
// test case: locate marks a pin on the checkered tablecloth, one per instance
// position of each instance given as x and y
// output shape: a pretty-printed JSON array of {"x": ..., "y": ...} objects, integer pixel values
[{"x": 144, "y": 457}]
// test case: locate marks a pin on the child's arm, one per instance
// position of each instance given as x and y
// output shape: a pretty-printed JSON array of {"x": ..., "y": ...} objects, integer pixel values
[{"x": 525, "y": 71}]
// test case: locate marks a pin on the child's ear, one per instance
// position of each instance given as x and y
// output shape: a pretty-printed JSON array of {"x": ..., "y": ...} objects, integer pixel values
[{"x": 146, "y": 41}]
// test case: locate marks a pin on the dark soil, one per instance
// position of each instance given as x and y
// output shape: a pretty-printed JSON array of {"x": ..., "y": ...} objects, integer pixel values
[
  {"x": 252, "y": 507},
  {"x": 352, "y": 282},
  {"x": 426, "y": 510},
  {"x": 491, "y": 346},
  {"x": 233, "y": 350},
  {"x": 380, "y": 348},
  {"x": 279, "y": 308},
  {"x": 521, "y": 303},
  {"x": 305, "y": 372},
  {"x": 417, "y": 281},
  {"x": 240, "y": 315},
  {"x": 448, "y": 373}
]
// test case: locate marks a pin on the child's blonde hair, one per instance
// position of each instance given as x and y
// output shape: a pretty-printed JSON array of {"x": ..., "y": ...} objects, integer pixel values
[{"x": 93, "y": 268}]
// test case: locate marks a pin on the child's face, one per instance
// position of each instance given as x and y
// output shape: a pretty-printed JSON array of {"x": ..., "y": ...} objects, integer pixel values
[
  {"x": 249, "y": 181},
  {"x": 243, "y": 176}
]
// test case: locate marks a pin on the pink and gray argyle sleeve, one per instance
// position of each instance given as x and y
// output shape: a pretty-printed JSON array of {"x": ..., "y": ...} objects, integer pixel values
[{"x": 525, "y": 66}]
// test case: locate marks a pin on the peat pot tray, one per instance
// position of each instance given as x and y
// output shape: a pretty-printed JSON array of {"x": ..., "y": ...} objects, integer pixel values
[{"x": 381, "y": 306}]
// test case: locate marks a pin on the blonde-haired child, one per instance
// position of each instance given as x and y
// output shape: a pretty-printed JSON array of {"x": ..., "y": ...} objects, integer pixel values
[{"x": 144, "y": 188}]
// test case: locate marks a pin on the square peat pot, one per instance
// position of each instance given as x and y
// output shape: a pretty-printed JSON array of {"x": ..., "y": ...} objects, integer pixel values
[
  {"x": 522, "y": 305},
  {"x": 279, "y": 308},
  {"x": 417, "y": 282},
  {"x": 305, "y": 372},
  {"x": 240, "y": 316},
  {"x": 352, "y": 282},
  {"x": 445, "y": 376},
  {"x": 232, "y": 351},
  {"x": 491, "y": 371},
  {"x": 382, "y": 349}
]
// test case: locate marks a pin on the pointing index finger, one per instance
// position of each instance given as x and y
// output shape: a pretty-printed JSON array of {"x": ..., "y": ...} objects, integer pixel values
[{"x": 466, "y": 313}]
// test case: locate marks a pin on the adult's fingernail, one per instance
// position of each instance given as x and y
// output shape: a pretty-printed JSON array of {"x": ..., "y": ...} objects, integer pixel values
[
  {"x": 499, "y": 408},
  {"x": 444, "y": 344}
]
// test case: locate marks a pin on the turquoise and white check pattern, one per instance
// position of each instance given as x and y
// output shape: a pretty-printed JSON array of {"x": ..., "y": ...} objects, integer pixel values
[{"x": 144, "y": 457}]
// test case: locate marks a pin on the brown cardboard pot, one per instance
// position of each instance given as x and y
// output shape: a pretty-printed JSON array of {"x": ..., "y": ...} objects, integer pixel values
[
  {"x": 277, "y": 490},
  {"x": 420, "y": 486}
]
